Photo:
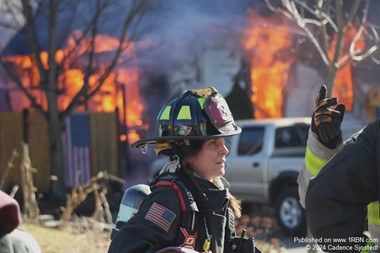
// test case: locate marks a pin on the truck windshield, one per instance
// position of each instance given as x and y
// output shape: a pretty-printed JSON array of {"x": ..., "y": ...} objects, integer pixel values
[
  {"x": 291, "y": 136},
  {"x": 251, "y": 140}
]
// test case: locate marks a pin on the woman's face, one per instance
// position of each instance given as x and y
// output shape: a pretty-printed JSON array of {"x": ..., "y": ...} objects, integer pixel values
[{"x": 209, "y": 162}]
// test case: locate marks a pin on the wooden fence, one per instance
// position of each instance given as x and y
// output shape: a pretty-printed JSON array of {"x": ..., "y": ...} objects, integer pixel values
[{"x": 104, "y": 145}]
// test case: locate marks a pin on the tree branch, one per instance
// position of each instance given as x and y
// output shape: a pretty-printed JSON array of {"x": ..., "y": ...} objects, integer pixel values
[
  {"x": 20, "y": 85},
  {"x": 355, "y": 54},
  {"x": 136, "y": 12},
  {"x": 33, "y": 41}
]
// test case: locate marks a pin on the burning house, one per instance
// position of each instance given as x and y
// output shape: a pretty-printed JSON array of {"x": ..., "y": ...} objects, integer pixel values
[
  {"x": 261, "y": 62},
  {"x": 275, "y": 66}
]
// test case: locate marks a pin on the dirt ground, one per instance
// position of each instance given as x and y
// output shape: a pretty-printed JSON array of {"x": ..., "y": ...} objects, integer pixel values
[{"x": 260, "y": 222}]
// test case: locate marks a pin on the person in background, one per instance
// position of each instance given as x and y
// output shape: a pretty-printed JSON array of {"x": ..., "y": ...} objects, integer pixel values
[
  {"x": 346, "y": 215},
  {"x": 190, "y": 208},
  {"x": 12, "y": 239}
]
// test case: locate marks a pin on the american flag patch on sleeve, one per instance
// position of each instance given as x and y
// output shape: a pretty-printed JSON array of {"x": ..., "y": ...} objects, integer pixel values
[{"x": 161, "y": 216}]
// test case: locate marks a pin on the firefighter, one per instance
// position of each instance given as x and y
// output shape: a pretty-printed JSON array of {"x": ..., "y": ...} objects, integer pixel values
[
  {"x": 190, "y": 206},
  {"x": 343, "y": 181}
]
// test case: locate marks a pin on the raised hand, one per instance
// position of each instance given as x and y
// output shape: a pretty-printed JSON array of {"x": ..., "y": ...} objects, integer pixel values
[{"x": 327, "y": 119}]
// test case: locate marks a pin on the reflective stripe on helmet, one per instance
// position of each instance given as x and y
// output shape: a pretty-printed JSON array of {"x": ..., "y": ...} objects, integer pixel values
[
  {"x": 313, "y": 163},
  {"x": 201, "y": 102},
  {"x": 184, "y": 113},
  {"x": 373, "y": 213},
  {"x": 165, "y": 115}
]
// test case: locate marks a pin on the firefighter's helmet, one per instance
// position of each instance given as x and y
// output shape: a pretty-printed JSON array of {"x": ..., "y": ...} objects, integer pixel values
[{"x": 193, "y": 115}]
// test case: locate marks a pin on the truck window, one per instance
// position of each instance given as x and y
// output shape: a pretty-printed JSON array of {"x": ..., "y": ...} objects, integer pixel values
[
  {"x": 251, "y": 140},
  {"x": 291, "y": 136}
]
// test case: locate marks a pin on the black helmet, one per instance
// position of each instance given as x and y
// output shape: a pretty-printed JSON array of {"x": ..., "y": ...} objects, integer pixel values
[{"x": 193, "y": 115}]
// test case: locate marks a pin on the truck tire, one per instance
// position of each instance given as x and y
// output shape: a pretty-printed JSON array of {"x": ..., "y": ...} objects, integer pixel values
[{"x": 289, "y": 212}]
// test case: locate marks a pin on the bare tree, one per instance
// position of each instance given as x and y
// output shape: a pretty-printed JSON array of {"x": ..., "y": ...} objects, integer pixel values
[
  {"x": 325, "y": 23},
  {"x": 49, "y": 25}
]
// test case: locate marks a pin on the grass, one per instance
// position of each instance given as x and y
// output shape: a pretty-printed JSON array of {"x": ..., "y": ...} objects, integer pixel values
[
  {"x": 85, "y": 236},
  {"x": 53, "y": 240}
]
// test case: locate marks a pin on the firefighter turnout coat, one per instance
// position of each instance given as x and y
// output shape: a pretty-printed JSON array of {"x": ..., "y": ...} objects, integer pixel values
[
  {"x": 176, "y": 213},
  {"x": 339, "y": 188}
]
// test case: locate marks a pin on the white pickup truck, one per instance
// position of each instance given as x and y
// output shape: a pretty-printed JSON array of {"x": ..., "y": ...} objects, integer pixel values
[{"x": 263, "y": 164}]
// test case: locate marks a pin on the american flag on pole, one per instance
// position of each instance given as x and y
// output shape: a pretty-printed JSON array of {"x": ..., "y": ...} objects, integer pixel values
[{"x": 77, "y": 145}]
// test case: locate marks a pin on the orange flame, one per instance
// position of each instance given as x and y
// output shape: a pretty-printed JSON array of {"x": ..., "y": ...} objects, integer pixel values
[
  {"x": 119, "y": 90},
  {"x": 268, "y": 42}
]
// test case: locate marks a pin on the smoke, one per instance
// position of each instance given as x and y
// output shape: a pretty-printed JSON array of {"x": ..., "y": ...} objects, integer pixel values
[{"x": 184, "y": 28}]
